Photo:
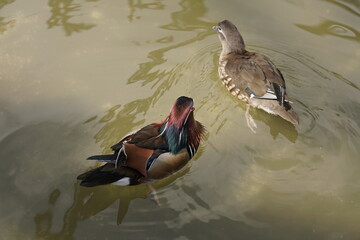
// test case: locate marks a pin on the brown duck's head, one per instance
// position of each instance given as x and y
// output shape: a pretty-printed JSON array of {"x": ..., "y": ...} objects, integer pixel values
[
  {"x": 181, "y": 112},
  {"x": 230, "y": 38}
]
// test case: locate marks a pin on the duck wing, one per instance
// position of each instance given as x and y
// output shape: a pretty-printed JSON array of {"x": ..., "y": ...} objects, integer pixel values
[
  {"x": 137, "y": 148},
  {"x": 129, "y": 163},
  {"x": 255, "y": 75},
  {"x": 147, "y": 137}
]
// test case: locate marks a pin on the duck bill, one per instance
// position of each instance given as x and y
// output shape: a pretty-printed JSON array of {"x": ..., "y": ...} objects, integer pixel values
[{"x": 215, "y": 28}]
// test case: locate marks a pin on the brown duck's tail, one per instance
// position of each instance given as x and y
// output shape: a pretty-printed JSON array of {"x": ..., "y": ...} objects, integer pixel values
[
  {"x": 289, "y": 115},
  {"x": 272, "y": 106}
]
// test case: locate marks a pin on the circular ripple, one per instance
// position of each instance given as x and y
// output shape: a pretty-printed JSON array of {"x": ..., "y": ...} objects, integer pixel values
[{"x": 341, "y": 30}]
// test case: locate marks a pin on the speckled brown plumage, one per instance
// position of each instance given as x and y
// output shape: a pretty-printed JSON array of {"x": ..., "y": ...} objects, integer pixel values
[{"x": 251, "y": 76}]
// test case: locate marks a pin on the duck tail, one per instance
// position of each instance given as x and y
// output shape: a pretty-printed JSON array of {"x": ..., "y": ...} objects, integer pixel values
[
  {"x": 108, "y": 174},
  {"x": 118, "y": 158},
  {"x": 103, "y": 158},
  {"x": 96, "y": 177},
  {"x": 272, "y": 106},
  {"x": 289, "y": 115}
]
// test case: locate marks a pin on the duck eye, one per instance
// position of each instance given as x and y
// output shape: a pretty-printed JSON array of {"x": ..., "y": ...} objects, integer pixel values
[{"x": 219, "y": 28}]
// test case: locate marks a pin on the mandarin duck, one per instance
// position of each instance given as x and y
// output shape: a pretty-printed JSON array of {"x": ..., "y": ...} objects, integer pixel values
[
  {"x": 154, "y": 152},
  {"x": 251, "y": 76}
]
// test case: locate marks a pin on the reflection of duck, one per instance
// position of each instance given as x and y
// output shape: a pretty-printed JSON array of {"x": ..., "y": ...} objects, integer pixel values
[
  {"x": 251, "y": 76},
  {"x": 153, "y": 152},
  {"x": 89, "y": 202}
]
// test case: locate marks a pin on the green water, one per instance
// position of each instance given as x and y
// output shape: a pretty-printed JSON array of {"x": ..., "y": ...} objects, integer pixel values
[{"x": 76, "y": 76}]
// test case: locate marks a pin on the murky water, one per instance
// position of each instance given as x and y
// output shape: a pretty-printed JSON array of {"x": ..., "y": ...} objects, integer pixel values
[{"x": 76, "y": 76}]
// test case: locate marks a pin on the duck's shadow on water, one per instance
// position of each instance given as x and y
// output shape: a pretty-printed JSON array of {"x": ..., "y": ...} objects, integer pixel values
[
  {"x": 87, "y": 202},
  {"x": 276, "y": 125}
]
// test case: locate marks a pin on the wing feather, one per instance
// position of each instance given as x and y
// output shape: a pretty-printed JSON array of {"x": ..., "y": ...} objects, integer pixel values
[{"x": 256, "y": 75}]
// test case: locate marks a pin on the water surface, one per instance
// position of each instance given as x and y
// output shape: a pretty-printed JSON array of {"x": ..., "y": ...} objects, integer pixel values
[{"x": 76, "y": 76}]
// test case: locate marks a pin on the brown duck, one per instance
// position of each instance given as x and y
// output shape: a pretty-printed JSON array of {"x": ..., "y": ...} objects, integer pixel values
[
  {"x": 154, "y": 152},
  {"x": 251, "y": 76}
]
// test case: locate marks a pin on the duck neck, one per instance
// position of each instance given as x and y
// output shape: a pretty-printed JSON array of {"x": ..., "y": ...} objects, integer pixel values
[
  {"x": 235, "y": 45},
  {"x": 179, "y": 138},
  {"x": 176, "y": 138}
]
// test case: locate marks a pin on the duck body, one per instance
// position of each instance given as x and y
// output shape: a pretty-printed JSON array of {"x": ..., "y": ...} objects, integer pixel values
[
  {"x": 251, "y": 76},
  {"x": 154, "y": 152}
]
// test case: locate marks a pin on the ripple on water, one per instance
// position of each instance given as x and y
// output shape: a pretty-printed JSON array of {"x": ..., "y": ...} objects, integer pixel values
[
  {"x": 341, "y": 30},
  {"x": 329, "y": 27},
  {"x": 235, "y": 172},
  {"x": 245, "y": 171}
]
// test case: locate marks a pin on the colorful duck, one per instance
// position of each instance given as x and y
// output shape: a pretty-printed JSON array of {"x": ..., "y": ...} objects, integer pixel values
[
  {"x": 154, "y": 152},
  {"x": 251, "y": 76}
]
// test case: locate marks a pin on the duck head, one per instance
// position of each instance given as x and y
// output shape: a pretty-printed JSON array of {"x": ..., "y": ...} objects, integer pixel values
[
  {"x": 230, "y": 38},
  {"x": 179, "y": 126}
]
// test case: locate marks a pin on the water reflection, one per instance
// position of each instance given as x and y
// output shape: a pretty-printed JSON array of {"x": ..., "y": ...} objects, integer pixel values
[
  {"x": 125, "y": 120},
  {"x": 4, "y": 25},
  {"x": 328, "y": 27},
  {"x": 262, "y": 182},
  {"x": 276, "y": 125},
  {"x": 348, "y": 5},
  {"x": 87, "y": 202},
  {"x": 120, "y": 120},
  {"x": 189, "y": 17},
  {"x": 61, "y": 13},
  {"x": 139, "y": 5}
]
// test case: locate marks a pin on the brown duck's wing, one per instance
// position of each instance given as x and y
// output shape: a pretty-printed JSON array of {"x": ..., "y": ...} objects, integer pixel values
[
  {"x": 255, "y": 75},
  {"x": 272, "y": 74}
]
